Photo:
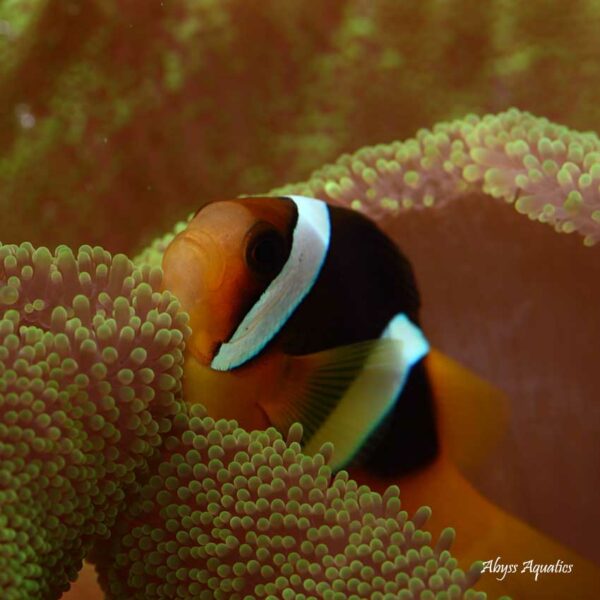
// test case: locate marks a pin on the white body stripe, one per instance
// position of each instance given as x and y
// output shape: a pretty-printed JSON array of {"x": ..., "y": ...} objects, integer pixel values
[
  {"x": 371, "y": 395},
  {"x": 269, "y": 314}
]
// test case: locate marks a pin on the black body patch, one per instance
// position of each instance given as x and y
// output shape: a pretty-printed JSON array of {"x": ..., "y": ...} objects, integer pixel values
[{"x": 365, "y": 281}]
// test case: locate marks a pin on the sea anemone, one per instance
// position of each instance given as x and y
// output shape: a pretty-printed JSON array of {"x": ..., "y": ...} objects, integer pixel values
[
  {"x": 117, "y": 118},
  {"x": 95, "y": 444},
  {"x": 116, "y": 108},
  {"x": 232, "y": 514},
  {"x": 90, "y": 367},
  {"x": 547, "y": 171},
  {"x": 101, "y": 457}
]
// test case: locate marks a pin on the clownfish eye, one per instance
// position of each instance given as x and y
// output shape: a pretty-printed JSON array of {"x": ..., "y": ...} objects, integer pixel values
[{"x": 266, "y": 252}]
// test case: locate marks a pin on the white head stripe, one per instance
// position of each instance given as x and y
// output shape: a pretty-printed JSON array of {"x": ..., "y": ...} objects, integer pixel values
[
  {"x": 371, "y": 395},
  {"x": 271, "y": 311}
]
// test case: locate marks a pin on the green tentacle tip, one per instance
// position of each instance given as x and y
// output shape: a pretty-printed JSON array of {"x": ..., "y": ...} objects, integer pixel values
[{"x": 8, "y": 295}]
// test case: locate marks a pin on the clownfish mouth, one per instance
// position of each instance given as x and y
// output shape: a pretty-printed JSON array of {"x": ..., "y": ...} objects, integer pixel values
[
  {"x": 205, "y": 358},
  {"x": 265, "y": 416}
]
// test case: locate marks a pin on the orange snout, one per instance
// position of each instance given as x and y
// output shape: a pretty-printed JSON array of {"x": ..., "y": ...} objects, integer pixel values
[
  {"x": 193, "y": 271},
  {"x": 204, "y": 266}
]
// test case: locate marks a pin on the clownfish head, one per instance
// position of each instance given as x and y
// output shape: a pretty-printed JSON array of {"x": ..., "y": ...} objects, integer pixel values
[{"x": 240, "y": 268}]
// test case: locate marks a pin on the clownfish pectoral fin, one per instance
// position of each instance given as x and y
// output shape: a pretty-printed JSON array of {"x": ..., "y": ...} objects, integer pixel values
[
  {"x": 342, "y": 395},
  {"x": 472, "y": 414},
  {"x": 313, "y": 385}
]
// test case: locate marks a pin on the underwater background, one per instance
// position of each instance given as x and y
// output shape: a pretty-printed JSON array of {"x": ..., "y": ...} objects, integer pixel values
[{"x": 119, "y": 118}]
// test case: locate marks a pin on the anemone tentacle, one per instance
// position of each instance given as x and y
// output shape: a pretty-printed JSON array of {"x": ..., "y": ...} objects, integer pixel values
[
  {"x": 547, "y": 171},
  {"x": 99, "y": 455},
  {"x": 233, "y": 514},
  {"x": 90, "y": 368}
]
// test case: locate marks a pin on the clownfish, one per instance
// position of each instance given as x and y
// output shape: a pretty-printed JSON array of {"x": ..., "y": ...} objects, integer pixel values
[{"x": 305, "y": 312}]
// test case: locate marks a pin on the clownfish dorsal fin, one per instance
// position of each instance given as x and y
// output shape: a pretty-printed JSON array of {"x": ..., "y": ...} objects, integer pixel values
[
  {"x": 472, "y": 414},
  {"x": 341, "y": 395}
]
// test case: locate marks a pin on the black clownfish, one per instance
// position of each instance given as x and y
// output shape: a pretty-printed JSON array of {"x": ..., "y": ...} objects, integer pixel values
[{"x": 306, "y": 312}]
